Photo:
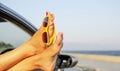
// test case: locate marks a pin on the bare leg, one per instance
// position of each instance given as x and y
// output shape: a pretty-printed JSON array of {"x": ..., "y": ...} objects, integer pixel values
[
  {"x": 44, "y": 61},
  {"x": 30, "y": 48}
]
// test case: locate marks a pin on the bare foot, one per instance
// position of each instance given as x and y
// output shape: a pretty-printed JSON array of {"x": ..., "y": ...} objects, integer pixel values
[
  {"x": 44, "y": 61},
  {"x": 39, "y": 38}
]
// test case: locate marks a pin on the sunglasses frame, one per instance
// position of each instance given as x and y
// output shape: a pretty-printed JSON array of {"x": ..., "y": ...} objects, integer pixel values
[{"x": 46, "y": 22}]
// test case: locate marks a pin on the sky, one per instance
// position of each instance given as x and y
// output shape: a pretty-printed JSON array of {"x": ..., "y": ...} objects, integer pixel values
[{"x": 86, "y": 24}]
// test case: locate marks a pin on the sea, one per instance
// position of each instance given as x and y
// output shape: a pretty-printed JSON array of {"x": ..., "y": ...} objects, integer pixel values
[{"x": 97, "y": 52}]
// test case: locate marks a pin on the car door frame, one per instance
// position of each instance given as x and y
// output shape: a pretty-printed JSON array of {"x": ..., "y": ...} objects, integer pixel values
[{"x": 17, "y": 19}]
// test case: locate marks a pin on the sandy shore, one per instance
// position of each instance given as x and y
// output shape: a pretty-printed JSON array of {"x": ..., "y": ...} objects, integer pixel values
[
  {"x": 87, "y": 62},
  {"x": 98, "y": 57}
]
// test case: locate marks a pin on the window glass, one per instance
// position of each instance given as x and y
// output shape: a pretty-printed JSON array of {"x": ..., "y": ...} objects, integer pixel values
[{"x": 12, "y": 35}]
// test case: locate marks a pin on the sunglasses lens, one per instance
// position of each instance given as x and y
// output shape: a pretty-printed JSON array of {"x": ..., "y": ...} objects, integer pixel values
[
  {"x": 45, "y": 23},
  {"x": 44, "y": 37}
]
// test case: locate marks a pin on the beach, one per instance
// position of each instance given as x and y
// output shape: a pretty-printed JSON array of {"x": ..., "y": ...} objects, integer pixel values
[{"x": 88, "y": 62}]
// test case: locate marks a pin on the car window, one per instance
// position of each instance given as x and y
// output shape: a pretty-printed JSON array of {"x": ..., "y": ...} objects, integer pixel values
[{"x": 12, "y": 35}]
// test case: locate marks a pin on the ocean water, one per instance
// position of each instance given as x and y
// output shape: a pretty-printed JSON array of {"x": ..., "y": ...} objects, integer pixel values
[{"x": 110, "y": 53}]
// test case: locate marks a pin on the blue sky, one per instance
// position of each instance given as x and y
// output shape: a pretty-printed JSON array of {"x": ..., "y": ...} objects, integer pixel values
[{"x": 86, "y": 24}]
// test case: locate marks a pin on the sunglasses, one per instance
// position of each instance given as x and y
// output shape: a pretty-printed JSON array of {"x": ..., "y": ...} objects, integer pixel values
[{"x": 47, "y": 39}]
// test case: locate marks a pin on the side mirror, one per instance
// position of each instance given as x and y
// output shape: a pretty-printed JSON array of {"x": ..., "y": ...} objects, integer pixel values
[{"x": 66, "y": 61}]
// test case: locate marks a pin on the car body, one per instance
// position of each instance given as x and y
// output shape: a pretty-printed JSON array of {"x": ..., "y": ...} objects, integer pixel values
[{"x": 15, "y": 30}]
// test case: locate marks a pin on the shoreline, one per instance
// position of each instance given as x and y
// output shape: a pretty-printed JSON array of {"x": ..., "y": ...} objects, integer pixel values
[{"x": 97, "y": 57}]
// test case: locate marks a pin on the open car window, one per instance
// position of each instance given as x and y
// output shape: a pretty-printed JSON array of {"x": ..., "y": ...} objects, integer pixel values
[
  {"x": 11, "y": 35},
  {"x": 14, "y": 29}
]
